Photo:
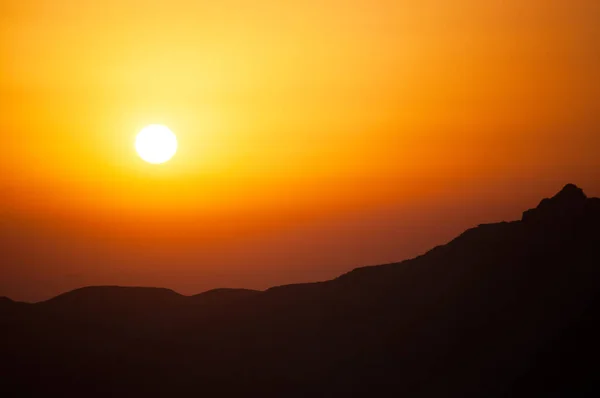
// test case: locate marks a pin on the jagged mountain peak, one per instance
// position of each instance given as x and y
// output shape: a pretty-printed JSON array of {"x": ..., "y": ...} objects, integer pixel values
[{"x": 566, "y": 204}]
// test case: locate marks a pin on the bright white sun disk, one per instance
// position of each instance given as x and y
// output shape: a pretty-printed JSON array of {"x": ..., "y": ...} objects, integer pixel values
[{"x": 156, "y": 144}]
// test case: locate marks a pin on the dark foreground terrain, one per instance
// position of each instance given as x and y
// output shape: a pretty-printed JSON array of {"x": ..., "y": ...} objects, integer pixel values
[{"x": 504, "y": 310}]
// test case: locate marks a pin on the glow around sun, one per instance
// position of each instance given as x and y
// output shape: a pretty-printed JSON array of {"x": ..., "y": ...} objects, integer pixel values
[{"x": 156, "y": 144}]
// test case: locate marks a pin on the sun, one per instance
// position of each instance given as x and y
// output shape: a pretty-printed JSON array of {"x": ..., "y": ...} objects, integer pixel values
[{"x": 156, "y": 144}]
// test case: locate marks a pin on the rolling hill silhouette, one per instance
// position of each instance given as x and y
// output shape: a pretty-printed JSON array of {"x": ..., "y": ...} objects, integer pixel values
[{"x": 504, "y": 310}]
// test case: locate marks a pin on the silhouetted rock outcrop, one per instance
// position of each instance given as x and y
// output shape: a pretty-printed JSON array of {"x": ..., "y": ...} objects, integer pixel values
[
  {"x": 504, "y": 310},
  {"x": 117, "y": 295},
  {"x": 568, "y": 204}
]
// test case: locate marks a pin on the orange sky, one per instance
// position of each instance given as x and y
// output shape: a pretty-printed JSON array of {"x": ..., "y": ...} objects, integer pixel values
[{"x": 314, "y": 136}]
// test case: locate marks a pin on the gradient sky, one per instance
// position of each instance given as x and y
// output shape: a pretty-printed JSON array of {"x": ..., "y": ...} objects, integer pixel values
[{"x": 315, "y": 136}]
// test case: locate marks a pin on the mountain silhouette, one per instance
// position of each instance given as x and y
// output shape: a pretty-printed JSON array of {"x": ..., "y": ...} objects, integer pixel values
[{"x": 510, "y": 309}]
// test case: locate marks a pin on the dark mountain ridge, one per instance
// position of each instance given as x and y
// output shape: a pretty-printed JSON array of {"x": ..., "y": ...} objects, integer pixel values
[{"x": 506, "y": 309}]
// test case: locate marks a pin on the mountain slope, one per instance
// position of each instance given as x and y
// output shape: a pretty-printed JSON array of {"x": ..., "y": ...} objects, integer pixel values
[{"x": 507, "y": 309}]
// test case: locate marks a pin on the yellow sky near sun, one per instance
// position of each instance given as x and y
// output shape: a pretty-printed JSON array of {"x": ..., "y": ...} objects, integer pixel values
[{"x": 287, "y": 104}]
